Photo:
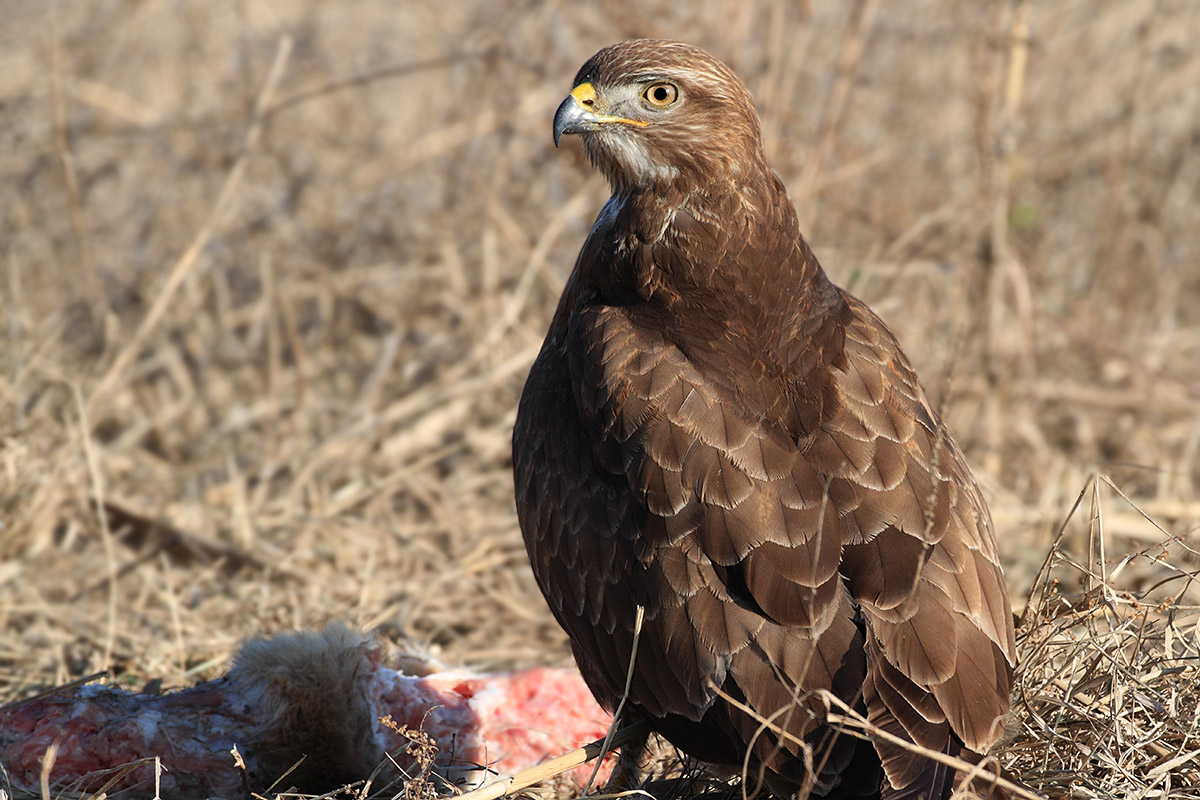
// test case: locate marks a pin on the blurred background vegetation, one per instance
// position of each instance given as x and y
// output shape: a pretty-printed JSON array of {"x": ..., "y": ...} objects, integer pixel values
[{"x": 272, "y": 274}]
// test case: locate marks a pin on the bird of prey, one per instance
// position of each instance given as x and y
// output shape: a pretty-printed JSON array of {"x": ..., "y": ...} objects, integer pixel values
[{"x": 717, "y": 433}]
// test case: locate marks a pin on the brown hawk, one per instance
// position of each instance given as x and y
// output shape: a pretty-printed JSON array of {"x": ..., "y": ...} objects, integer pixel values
[{"x": 715, "y": 432}]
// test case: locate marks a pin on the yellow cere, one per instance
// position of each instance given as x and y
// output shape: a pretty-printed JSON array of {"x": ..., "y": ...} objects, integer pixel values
[
  {"x": 585, "y": 96},
  {"x": 584, "y": 93}
]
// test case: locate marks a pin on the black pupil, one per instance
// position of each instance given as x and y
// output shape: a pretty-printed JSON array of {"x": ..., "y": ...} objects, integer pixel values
[{"x": 661, "y": 93}]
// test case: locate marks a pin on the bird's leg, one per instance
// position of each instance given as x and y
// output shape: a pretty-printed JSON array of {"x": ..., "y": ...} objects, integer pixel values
[{"x": 631, "y": 763}]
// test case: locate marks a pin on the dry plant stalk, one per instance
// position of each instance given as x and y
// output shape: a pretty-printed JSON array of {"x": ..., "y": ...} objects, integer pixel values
[{"x": 1106, "y": 700}]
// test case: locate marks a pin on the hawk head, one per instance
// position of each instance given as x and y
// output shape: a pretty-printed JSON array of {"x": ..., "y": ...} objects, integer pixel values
[{"x": 655, "y": 114}]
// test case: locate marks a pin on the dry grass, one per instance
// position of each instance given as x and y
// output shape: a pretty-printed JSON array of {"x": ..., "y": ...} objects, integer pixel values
[
  {"x": 273, "y": 273},
  {"x": 1107, "y": 697}
]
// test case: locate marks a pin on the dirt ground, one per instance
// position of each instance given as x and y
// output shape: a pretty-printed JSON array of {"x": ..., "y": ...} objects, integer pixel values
[{"x": 273, "y": 271}]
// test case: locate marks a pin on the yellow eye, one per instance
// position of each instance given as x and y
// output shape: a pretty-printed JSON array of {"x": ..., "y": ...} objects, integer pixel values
[{"x": 661, "y": 94}]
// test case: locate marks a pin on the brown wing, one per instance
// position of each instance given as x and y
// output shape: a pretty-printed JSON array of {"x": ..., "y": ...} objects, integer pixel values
[
  {"x": 638, "y": 484},
  {"x": 846, "y": 550},
  {"x": 920, "y": 560}
]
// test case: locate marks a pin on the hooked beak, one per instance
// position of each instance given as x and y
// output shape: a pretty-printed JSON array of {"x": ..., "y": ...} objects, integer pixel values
[
  {"x": 572, "y": 118},
  {"x": 577, "y": 114}
]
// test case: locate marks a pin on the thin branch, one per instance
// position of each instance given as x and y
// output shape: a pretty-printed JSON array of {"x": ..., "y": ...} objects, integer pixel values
[{"x": 187, "y": 262}]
